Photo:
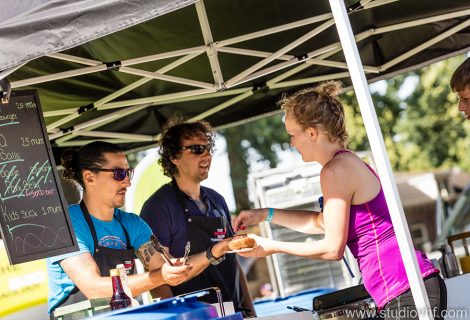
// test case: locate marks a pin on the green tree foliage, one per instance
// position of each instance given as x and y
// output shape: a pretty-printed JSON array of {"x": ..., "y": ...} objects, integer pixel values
[
  {"x": 255, "y": 139},
  {"x": 388, "y": 108},
  {"x": 433, "y": 133},
  {"x": 425, "y": 130}
]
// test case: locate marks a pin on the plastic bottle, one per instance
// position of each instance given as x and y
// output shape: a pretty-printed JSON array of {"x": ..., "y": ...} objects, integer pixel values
[
  {"x": 450, "y": 261},
  {"x": 125, "y": 283},
  {"x": 119, "y": 299}
]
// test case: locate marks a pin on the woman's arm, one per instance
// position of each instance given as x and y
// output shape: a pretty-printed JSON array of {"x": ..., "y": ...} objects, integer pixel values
[
  {"x": 300, "y": 220},
  {"x": 338, "y": 191}
]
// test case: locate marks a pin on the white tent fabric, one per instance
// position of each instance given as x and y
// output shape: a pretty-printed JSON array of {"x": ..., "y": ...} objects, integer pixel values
[{"x": 31, "y": 29}]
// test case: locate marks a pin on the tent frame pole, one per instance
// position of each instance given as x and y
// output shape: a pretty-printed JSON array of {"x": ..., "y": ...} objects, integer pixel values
[
  {"x": 223, "y": 105},
  {"x": 236, "y": 79},
  {"x": 425, "y": 45},
  {"x": 115, "y": 135},
  {"x": 381, "y": 159},
  {"x": 331, "y": 49},
  {"x": 305, "y": 81},
  {"x": 79, "y": 143},
  {"x": 211, "y": 49},
  {"x": 265, "y": 32}
]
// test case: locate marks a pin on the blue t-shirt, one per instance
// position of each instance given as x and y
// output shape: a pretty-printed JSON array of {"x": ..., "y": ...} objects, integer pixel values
[
  {"x": 109, "y": 234},
  {"x": 166, "y": 218}
]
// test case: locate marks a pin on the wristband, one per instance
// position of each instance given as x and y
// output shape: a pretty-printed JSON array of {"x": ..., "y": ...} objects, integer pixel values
[{"x": 270, "y": 214}]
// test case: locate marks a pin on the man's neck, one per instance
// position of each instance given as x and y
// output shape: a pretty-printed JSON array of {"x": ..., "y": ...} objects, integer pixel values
[
  {"x": 98, "y": 210},
  {"x": 191, "y": 188}
]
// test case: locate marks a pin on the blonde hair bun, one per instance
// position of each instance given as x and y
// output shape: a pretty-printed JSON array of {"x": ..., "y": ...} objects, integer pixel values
[{"x": 329, "y": 88}]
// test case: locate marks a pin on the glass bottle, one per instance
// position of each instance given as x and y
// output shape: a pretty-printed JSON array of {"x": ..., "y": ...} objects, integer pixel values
[
  {"x": 119, "y": 299},
  {"x": 125, "y": 283}
]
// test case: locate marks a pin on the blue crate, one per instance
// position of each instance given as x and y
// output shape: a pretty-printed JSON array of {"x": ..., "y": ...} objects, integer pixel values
[{"x": 188, "y": 308}]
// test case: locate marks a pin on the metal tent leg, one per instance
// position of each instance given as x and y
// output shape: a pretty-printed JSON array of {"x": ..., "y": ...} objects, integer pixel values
[{"x": 381, "y": 158}]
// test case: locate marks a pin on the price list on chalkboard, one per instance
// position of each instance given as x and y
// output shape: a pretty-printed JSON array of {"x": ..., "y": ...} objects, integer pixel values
[{"x": 33, "y": 214}]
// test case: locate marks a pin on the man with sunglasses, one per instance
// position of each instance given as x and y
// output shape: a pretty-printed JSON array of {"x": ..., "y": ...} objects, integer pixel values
[
  {"x": 108, "y": 236},
  {"x": 183, "y": 211}
]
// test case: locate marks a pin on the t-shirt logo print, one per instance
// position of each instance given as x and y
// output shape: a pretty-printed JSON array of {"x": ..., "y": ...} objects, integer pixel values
[{"x": 112, "y": 242}]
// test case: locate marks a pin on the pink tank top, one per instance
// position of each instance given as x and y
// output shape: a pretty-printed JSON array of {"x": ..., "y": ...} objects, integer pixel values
[{"x": 373, "y": 243}]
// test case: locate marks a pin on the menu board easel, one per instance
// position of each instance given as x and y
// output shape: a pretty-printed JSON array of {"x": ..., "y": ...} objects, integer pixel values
[{"x": 34, "y": 219}]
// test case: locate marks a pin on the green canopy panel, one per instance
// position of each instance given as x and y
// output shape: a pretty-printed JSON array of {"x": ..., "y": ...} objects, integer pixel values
[{"x": 225, "y": 61}]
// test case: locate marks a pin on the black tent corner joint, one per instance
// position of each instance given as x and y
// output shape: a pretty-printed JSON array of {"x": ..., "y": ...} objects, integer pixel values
[
  {"x": 5, "y": 90},
  {"x": 114, "y": 65},
  {"x": 260, "y": 87},
  {"x": 85, "y": 108},
  {"x": 302, "y": 57}
]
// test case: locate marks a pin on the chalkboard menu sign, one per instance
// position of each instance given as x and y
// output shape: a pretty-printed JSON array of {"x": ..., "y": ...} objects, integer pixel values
[{"x": 33, "y": 214}]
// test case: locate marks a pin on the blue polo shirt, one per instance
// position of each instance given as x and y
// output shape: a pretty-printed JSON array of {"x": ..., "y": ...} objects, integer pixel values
[{"x": 165, "y": 217}]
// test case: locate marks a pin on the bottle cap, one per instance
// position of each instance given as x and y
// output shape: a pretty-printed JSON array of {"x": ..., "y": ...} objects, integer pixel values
[{"x": 113, "y": 272}]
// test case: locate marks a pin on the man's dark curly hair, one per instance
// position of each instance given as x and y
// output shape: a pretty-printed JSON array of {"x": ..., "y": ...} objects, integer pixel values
[{"x": 173, "y": 134}]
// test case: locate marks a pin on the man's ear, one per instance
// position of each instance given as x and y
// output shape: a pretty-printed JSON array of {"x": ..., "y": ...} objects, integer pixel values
[
  {"x": 88, "y": 177},
  {"x": 175, "y": 161}
]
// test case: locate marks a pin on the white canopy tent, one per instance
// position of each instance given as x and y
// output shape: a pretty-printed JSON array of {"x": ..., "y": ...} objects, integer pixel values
[{"x": 120, "y": 90}]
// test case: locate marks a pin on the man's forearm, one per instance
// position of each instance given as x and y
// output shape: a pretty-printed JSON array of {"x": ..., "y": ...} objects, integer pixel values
[
  {"x": 139, "y": 283},
  {"x": 199, "y": 262}
]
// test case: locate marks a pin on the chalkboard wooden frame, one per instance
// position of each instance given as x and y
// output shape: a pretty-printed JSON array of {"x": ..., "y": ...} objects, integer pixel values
[{"x": 70, "y": 240}]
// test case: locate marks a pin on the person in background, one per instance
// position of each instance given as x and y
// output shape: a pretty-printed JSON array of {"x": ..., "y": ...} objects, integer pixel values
[
  {"x": 266, "y": 291},
  {"x": 183, "y": 211},
  {"x": 354, "y": 214},
  {"x": 108, "y": 236},
  {"x": 460, "y": 83}
]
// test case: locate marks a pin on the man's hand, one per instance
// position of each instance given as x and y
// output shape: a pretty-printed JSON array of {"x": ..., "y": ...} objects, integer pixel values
[
  {"x": 174, "y": 275},
  {"x": 221, "y": 248}
]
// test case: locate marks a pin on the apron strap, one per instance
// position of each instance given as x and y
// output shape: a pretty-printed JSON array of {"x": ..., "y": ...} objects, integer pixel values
[
  {"x": 180, "y": 199},
  {"x": 184, "y": 207},
  {"x": 87, "y": 216},
  {"x": 128, "y": 241}
]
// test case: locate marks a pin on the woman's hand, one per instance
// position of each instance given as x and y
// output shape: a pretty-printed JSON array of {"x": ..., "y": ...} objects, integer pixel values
[
  {"x": 264, "y": 247},
  {"x": 248, "y": 218},
  {"x": 174, "y": 275}
]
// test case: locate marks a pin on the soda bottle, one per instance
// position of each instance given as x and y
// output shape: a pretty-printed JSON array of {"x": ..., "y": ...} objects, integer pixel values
[
  {"x": 119, "y": 299},
  {"x": 125, "y": 283}
]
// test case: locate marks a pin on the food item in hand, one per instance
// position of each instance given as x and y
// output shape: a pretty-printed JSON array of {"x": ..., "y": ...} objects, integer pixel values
[{"x": 241, "y": 242}]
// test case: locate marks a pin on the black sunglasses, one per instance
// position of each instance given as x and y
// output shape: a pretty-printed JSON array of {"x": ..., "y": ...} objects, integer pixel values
[
  {"x": 198, "y": 148},
  {"x": 119, "y": 174}
]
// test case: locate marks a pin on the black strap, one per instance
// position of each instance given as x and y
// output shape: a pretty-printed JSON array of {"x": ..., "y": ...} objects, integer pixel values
[
  {"x": 87, "y": 216},
  {"x": 184, "y": 207},
  {"x": 180, "y": 198}
]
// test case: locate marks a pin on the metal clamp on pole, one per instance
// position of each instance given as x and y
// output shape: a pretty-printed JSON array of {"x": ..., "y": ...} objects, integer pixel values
[{"x": 5, "y": 89}]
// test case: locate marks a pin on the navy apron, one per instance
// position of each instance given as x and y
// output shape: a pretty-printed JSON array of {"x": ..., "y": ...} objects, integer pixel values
[
  {"x": 225, "y": 275},
  {"x": 105, "y": 258}
]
